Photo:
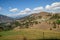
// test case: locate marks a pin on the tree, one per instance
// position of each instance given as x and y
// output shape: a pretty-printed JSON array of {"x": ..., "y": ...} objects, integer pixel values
[
  {"x": 55, "y": 16},
  {"x": 36, "y": 22},
  {"x": 26, "y": 25},
  {"x": 58, "y": 22},
  {"x": 24, "y": 38},
  {"x": 50, "y": 28},
  {"x": 39, "y": 16},
  {"x": 1, "y": 28},
  {"x": 17, "y": 23},
  {"x": 54, "y": 25}
]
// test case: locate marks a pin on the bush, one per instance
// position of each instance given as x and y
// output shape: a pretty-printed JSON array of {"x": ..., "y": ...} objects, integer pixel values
[
  {"x": 40, "y": 16},
  {"x": 24, "y": 38},
  {"x": 0, "y": 35},
  {"x": 36, "y": 22},
  {"x": 1, "y": 29},
  {"x": 54, "y": 26},
  {"x": 58, "y": 22},
  {"x": 55, "y": 16},
  {"x": 26, "y": 27},
  {"x": 50, "y": 28},
  {"x": 17, "y": 23},
  {"x": 39, "y": 22}
]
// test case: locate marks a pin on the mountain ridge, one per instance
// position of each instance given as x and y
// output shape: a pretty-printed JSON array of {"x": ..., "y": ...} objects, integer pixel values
[{"x": 4, "y": 18}]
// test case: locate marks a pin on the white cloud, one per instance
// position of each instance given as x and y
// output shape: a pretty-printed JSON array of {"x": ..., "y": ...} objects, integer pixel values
[
  {"x": 13, "y": 10},
  {"x": 26, "y": 11},
  {"x": 37, "y": 9},
  {"x": 56, "y": 4},
  {"x": 48, "y": 7},
  {"x": 53, "y": 7}
]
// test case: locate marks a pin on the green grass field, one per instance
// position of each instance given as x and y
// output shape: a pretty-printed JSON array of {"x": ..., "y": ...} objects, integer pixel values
[{"x": 29, "y": 34}]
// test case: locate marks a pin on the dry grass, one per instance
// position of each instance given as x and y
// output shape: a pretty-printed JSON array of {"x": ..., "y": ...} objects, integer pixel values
[{"x": 29, "y": 34}]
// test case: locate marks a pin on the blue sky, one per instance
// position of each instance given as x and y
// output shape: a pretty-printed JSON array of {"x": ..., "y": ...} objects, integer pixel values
[{"x": 7, "y": 6}]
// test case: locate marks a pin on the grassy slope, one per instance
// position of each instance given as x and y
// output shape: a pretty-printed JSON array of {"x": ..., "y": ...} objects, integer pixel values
[{"x": 29, "y": 34}]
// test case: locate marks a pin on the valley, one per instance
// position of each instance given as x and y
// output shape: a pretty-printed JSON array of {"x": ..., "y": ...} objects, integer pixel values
[{"x": 39, "y": 26}]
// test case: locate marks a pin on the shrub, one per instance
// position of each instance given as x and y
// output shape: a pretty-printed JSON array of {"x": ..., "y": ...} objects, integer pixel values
[
  {"x": 54, "y": 25},
  {"x": 50, "y": 28},
  {"x": 1, "y": 29},
  {"x": 40, "y": 16},
  {"x": 58, "y": 22},
  {"x": 39, "y": 22},
  {"x": 24, "y": 38},
  {"x": 26, "y": 26},
  {"x": 17, "y": 23},
  {"x": 0, "y": 35},
  {"x": 36, "y": 22}
]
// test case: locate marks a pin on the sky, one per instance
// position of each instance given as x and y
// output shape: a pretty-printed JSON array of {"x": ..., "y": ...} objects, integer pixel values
[{"x": 15, "y": 8}]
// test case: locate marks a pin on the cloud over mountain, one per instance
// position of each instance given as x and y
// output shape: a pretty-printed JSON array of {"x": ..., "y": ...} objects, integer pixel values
[
  {"x": 25, "y": 11},
  {"x": 13, "y": 10},
  {"x": 37, "y": 9},
  {"x": 54, "y": 7}
]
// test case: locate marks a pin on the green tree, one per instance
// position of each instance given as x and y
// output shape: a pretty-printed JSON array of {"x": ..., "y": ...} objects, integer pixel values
[
  {"x": 17, "y": 23},
  {"x": 27, "y": 25},
  {"x": 39, "y": 16},
  {"x": 36, "y": 22},
  {"x": 54, "y": 25},
  {"x": 58, "y": 22}
]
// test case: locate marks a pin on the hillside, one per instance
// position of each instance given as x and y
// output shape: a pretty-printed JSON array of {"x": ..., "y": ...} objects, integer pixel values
[
  {"x": 4, "y": 18},
  {"x": 6, "y": 22},
  {"x": 42, "y": 20},
  {"x": 38, "y": 26}
]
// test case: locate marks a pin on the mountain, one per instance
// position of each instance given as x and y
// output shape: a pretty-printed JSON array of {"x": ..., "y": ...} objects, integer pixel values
[
  {"x": 4, "y": 18},
  {"x": 22, "y": 16},
  {"x": 42, "y": 20},
  {"x": 35, "y": 15}
]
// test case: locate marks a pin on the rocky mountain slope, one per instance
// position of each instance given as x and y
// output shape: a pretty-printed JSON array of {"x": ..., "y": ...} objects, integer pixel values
[
  {"x": 42, "y": 20},
  {"x": 4, "y": 18}
]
